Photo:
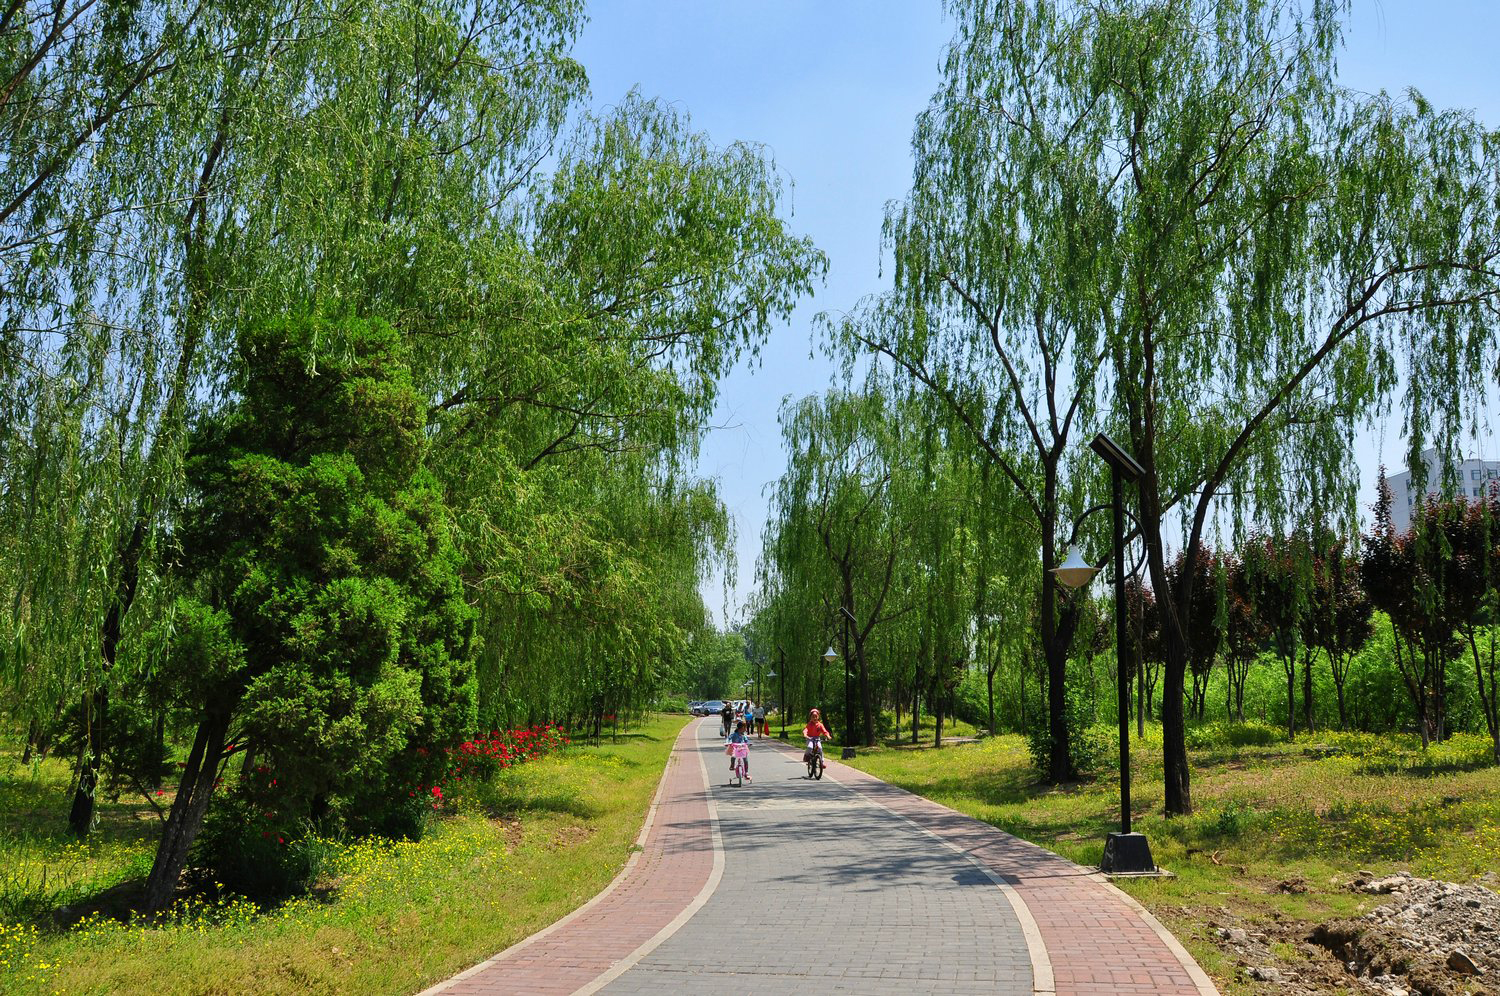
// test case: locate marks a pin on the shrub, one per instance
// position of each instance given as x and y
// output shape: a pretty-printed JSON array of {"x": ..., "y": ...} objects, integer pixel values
[
  {"x": 256, "y": 853},
  {"x": 1221, "y": 734},
  {"x": 1092, "y": 746}
]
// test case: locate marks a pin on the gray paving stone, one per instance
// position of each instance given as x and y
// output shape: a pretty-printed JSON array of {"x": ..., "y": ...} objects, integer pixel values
[{"x": 825, "y": 892}]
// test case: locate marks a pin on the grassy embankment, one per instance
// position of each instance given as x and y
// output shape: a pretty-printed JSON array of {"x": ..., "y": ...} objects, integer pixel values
[
  {"x": 388, "y": 918},
  {"x": 1278, "y": 830}
]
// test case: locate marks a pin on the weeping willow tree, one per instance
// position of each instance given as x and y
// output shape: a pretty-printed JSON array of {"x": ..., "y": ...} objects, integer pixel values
[
  {"x": 591, "y": 611},
  {"x": 883, "y": 513},
  {"x": 837, "y": 536},
  {"x": 173, "y": 172},
  {"x": 1173, "y": 215}
]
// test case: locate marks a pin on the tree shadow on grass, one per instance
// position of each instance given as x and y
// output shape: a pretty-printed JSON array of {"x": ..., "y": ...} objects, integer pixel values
[
  {"x": 618, "y": 740},
  {"x": 558, "y": 801}
]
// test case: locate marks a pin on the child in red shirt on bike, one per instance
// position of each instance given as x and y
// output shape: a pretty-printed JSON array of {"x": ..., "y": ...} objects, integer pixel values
[{"x": 816, "y": 733}]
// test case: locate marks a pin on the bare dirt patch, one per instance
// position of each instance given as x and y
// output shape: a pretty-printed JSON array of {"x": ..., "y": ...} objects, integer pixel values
[
  {"x": 571, "y": 836},
  {"x": 1432, "y": 938},
  {"x": 1277, "y": 957},
  {"x": 514, "y": 834}
]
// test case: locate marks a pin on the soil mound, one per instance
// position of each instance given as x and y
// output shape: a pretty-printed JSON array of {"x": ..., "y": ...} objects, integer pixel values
[{"x": 1432, "y": 938}]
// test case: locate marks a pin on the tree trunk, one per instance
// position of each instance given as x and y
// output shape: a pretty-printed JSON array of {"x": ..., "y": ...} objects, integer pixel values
[
  {"x": 1140, "y": 697},
  {"x": 1340, "y": 671},
  {"x": 1058, "y": 626},
  {"x": 33, "y": 730},
  {"x": 867, "y": 702},
  {"x": 81, "y": 816},
  {"x": 1021, "y": 698},
  {"x": 989, "y": 682},
  {"x": 1176, "y": 774},
  {"x": 1178, "y": 788},
  {"x": 188, "y": 809},
  {"x": 937, "y": 705},
  {"x": 916, "y": 703},
  {"x": 1307, "y": 692},
  {"x": 1289, "y": 665},
  {"x": 1489, "y": 701}
]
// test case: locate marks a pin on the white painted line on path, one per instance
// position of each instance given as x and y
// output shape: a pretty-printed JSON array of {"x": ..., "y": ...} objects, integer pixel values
[
  {"x": 1200, "y": 978},
  {"x": 651, "y": 944},
  {"x": 557, "y": 925},
  {"x": 1042, "y": 981}
]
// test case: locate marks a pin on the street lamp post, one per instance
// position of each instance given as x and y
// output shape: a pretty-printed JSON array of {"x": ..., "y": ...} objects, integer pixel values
[
  {"x": 829, "y": 656},
  {"x": 1125, "y": 852},
  {"x": 848, "y": 703}
]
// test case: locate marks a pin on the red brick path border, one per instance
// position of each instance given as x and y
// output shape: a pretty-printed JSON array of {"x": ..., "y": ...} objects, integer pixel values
[
  {"x": 1100, "y": 942},
  {"x": 671, "y": 873},
  {"x": 1094, "y": 939}
]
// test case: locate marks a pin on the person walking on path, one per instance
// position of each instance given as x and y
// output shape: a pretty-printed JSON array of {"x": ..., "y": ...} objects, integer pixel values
[
  {"x": 726, "y": 717},
  {"x": 760, "y": 719}
]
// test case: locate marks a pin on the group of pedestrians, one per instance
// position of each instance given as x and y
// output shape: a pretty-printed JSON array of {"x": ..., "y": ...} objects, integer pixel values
[{"x": 751, "y": 715}]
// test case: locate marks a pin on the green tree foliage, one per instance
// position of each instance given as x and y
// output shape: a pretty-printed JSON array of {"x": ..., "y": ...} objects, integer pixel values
[
  {"x": 1277, "y": 573},
  {"x": 1436, "y": 584},
  {"x": 324, "y": 632},
  {"x": 1202, "y": 236},
  {"x": 886, "y": 513},
  {"x": 1205, "y": 622},
  {"x": 173, "y": 173},
  {"x": 175, "y": 170},
  {"x": 1338, "y": 622},
  {"x": 836, "y": 535},
  {"x": 1247, "y": 635}
]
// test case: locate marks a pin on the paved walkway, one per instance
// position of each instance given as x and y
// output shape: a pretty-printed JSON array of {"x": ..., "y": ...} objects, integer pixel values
[{"x": 847, "y": 885}]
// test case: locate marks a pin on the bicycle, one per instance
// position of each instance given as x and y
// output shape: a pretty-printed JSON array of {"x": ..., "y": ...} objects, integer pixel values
[
  {"x": 741, "y": 764},
  {"x": 814, "y": 758}
]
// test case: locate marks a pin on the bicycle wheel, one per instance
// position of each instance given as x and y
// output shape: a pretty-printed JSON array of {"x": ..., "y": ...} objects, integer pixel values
[{"x": 818, "y": 767}]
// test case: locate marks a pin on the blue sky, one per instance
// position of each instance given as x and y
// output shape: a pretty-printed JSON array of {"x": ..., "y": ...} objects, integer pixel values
[{"x": 831, "y": 89}]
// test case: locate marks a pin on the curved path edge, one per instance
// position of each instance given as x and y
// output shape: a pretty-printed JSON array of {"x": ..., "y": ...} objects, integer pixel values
[
  {"x": 672, "y": 870},
  {"x": 1093, "y": 939}
]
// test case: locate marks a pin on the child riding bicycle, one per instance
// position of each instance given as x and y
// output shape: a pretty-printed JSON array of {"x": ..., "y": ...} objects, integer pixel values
[
  {"x": 738, "y": 748},
  {"x": 816, "y": 733}
]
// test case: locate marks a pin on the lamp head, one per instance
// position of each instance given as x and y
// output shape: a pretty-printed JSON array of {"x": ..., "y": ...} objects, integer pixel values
[
  {"x": 1074, "y": 571},
  {"x": 830, "y": 654}
]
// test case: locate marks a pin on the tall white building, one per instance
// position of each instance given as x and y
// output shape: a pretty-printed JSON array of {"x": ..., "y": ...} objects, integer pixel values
[{"x": 1469, "y": 479}]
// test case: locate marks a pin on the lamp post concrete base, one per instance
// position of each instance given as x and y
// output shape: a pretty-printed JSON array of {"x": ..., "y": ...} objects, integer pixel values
[{"x": 1127, "y": 854}]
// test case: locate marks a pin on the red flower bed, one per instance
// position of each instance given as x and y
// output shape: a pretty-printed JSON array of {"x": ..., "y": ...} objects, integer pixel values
[{"x": 482, "y": 757}]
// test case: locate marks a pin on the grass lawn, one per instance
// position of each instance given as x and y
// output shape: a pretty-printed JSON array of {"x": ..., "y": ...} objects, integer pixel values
[
  {"x": 1278, "y": 829},
  {"x": 390, "y": 918},
  {"x": 890, "y": 734}
]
